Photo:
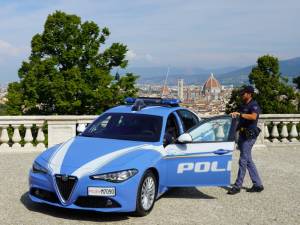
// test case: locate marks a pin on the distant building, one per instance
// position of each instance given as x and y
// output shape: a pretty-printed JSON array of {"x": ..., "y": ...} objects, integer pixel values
[
  {"x": 180, "y": 89},
  {"x": 211, "y": 98},
  {"x": 165, "y": 91},
  {"x": 211, "y": 88}
]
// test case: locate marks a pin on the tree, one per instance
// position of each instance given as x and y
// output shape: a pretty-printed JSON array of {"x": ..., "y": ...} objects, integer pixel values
[
  {"x": 2, "y": 109},
  {"x": 235, "y": 100},
  {"x": 296, "y": 81},
  {"x": 274, "y": 93},
  {"x": 67, "y": 74}
]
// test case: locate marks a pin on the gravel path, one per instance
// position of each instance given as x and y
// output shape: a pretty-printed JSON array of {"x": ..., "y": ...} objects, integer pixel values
[{"x": 278, "y": 204}]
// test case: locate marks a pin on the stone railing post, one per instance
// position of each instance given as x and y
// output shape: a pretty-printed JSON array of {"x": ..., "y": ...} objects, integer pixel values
[
  {"x": 16, "y": 138},
  {"x": 284, "y": 132},
  {"x": 28, "y": 136},
  {"x": 266, "y": 133},
  {"x": 40, "y": 137},
  {"x": 294, "y": 132},
  {"x": 275, "y": 133},
  {"x": 4, "y": 138},
  {"x": 260, "y": 142}
]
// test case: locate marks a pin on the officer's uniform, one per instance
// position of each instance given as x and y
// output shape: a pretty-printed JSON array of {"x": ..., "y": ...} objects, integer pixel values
[{"x": 245, "y": 145}]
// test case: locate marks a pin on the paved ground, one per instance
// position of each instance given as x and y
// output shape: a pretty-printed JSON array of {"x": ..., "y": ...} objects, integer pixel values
[{"x": 278, "y": 204}]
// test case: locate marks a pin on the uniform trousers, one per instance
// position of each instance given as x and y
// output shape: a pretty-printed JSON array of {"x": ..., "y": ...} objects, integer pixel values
[{"x": 246, "y": 163}]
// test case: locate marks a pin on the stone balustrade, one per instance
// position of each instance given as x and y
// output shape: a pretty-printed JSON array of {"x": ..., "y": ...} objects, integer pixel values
[
  {"x": 279, "y": 129},
  {"x": 30, "y": 133},
  {"x": 35, "y": 133}
]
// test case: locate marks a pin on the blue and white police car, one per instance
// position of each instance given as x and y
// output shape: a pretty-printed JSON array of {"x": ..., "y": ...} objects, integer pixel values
[{"x": 131, "y": 154}]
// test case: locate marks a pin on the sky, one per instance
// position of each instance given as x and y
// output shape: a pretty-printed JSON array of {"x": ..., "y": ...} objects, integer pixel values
[{"x": 176, "y": 33}]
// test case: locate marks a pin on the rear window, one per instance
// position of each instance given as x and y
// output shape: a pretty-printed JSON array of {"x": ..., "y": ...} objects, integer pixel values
[{"x": 126, "y": 126}]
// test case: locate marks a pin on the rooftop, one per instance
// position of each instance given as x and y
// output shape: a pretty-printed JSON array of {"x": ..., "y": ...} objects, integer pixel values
[{"x": 211, "y": 82}]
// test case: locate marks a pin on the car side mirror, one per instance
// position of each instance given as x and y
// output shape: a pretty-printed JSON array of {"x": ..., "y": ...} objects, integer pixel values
[
  {"x": 81, "y": 128},
  {"x": 184, "y": 138}
]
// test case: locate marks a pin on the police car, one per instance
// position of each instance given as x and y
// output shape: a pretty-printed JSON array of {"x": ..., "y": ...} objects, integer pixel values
[{"x": 132, "y": 154}]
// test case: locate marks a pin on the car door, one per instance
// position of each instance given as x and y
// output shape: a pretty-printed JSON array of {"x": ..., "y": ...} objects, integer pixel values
[{"x": 204, "y": 160}]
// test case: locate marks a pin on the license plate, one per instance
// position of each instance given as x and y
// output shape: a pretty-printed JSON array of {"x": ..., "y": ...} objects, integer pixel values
[{"x": 101, "y": 191}]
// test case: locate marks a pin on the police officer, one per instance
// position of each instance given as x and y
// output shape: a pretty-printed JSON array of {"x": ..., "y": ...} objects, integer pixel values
[{"x": 248, "y": 114}]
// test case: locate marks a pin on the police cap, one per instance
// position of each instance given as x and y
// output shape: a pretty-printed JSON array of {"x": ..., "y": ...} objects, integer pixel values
[{"x": 247, "y": 89}]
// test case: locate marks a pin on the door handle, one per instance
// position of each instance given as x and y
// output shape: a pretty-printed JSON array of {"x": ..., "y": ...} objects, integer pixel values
[{"x": 221, "y": 151}]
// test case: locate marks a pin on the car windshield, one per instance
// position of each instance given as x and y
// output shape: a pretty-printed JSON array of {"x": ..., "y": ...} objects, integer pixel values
[{"x": 126, "y": 126}]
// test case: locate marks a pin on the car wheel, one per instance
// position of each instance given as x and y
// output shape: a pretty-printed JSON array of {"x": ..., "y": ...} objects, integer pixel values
[{"x": 146, "y": 194}]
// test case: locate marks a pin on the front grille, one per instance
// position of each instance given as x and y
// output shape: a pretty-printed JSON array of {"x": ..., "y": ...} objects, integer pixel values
[
  {"x": 44, "y": 195},
  {"x": 96, "y": 202},
  {"x": 65, "y": 185}
]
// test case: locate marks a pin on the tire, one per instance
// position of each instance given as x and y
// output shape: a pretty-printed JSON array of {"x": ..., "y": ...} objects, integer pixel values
[{"x": 145, "y": 200}]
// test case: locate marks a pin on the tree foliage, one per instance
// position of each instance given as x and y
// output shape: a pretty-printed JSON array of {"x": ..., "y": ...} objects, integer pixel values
[
  {"x": 274, "y": 93},
  {"x": 67, "y": 74},
  {"x": 235, "y": 100},
  {"x": 2, "y": 109},
  {"x": 296, "y": 81}
]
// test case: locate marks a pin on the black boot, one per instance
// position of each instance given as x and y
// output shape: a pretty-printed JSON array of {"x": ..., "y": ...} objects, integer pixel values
[
  {"x": 234, "y": 190},
  {"x": 255, "y": 189}
]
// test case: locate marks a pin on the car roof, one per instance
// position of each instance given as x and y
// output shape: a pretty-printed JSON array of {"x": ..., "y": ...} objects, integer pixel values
[{"x": 148, "y": 110}]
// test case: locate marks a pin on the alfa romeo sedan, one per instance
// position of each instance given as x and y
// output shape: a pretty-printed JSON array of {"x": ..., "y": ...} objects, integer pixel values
[{"x": 132, "y": 154}]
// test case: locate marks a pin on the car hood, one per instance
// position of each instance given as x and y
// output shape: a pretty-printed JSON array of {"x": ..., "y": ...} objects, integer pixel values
[{"x": 81, "y": 154}]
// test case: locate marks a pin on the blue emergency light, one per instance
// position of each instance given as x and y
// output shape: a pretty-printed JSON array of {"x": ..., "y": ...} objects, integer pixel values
[
  {"x": 130, "y": 100},
  {"x": 168, "y": 102},
  {"x": 171, "y": 101}
]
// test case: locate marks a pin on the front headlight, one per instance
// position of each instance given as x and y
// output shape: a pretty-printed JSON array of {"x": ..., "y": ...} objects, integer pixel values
[
  {"x": 116, "y": 177},
  {"x": 37, "y": 168}
]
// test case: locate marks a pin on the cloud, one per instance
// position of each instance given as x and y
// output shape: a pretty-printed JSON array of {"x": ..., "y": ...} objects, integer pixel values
[
  {"x": 133, "y": 56},
  {"x": 149, "y": 57},
  {"x": 7, "y": 49},
  {"x": 130, "y": 55}
]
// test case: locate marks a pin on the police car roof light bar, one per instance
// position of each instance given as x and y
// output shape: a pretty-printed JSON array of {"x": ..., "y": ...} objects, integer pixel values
[
  {"x": 130, "y": 100},
  {"x": 167, "y": 102}
]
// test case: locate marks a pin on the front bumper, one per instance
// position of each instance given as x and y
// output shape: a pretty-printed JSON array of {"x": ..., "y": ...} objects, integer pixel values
[{"x": 43, "y": 189}]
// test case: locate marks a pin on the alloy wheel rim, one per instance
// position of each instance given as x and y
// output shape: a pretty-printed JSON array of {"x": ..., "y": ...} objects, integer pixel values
[{"x": 148, "y": 193}]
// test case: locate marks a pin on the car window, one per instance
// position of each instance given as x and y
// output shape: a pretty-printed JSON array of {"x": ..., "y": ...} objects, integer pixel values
[
  {"x": 188, "y": 119},
  {"x": 126, "y": 126},
  {"x": 212, "y": 130},
  {"x": 172, "y": 126},
  {"x": 171, "y": 131},
  {"x": 102, "y": 124}
]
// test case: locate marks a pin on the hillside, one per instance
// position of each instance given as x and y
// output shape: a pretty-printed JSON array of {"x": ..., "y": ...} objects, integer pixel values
[
  {"x": 289, "y": 68},
  {"x": 230, "y": 75}
]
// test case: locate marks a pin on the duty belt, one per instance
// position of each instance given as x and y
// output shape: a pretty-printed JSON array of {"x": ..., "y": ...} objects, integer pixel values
[{"x": 250, "y": 132}]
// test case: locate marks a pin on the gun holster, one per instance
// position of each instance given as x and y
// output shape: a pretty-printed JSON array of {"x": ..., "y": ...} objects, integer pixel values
[{"x": 250, "y": 133}]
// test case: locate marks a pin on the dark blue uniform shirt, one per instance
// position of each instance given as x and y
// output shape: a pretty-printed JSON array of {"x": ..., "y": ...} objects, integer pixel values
[{"x": 251, "y": 107}]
